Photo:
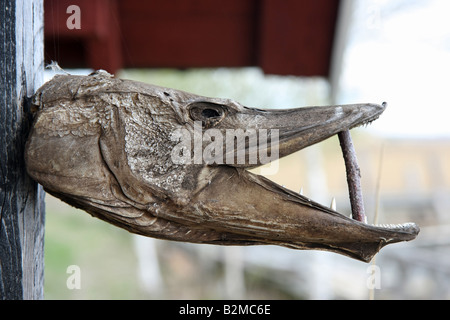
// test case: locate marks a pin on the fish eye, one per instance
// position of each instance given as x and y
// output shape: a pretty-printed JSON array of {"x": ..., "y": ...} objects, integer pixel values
[{"x": 209, "y": 114}]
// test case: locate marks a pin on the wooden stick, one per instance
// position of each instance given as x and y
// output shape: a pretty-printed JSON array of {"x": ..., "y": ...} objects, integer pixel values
[{"x": 353, "y": 176}]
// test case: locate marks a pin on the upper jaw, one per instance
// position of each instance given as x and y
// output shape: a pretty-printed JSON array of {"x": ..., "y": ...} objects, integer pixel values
[{"x": 301, "y": 127}]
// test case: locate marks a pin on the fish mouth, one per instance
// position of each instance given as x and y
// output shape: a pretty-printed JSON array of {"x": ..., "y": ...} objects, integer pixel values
[{"x": 300, "y": 222}]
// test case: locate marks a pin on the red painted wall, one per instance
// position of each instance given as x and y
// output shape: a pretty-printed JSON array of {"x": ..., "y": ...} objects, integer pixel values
[{"x": 289, "y": 37}]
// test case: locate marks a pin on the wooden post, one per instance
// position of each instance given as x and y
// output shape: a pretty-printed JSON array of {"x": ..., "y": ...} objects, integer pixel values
[{"x": 21, "y": 199}]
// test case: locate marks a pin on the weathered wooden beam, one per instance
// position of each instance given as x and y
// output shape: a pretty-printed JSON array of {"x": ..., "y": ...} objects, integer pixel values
[{"x": 21, "y": 199}]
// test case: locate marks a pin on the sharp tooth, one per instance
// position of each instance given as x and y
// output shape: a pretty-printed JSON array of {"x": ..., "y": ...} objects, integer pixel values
[
  {"x": 301, "y": 191},
  {"x": 333, "y": 204}
]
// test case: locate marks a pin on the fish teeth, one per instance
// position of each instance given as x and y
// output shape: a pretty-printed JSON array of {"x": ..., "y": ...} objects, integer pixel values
[
  {"x": 333, "y": 204},
  {"x": 391, "y": 226}
]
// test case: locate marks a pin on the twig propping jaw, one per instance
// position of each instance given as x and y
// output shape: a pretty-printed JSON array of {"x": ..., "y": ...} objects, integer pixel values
[{"x": 353, "y": 176}]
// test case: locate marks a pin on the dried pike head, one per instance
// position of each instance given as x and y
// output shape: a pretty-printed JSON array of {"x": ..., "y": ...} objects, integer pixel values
[{"x": 148, "y": 159}]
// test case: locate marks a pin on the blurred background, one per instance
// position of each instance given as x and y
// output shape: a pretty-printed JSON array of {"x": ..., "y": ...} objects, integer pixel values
[{"x": 274, "y": 54}]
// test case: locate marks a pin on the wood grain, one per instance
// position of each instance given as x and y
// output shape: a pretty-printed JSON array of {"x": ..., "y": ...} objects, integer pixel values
[{"x": 21, "y": 199}]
